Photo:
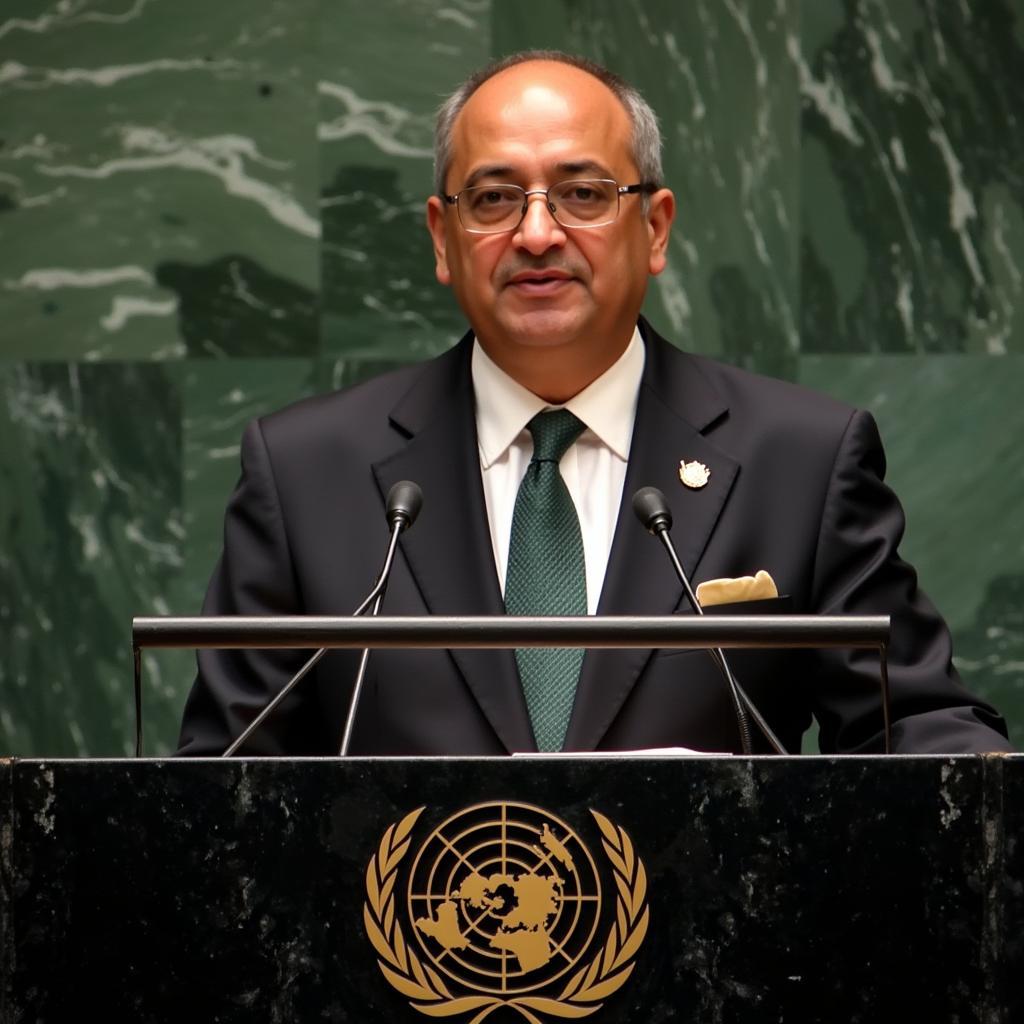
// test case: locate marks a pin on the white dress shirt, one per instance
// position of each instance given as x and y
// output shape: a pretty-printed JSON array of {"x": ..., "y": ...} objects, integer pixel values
[{"x": 594, "y": 467}]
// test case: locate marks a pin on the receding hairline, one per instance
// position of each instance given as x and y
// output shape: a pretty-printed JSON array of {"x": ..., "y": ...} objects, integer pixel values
[
  {"x": 555, "y": 65},
  {"x": 644, "y": 134}
]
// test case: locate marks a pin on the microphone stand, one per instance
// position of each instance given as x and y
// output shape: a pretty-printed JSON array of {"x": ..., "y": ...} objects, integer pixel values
[
  {"x": 742, "y": 704},
  {"x": 377, "y": 597},
  {"x": 378, "y": 594},
  {"x": 652, "y": 510},
  {"x": 403, "y": 502}
]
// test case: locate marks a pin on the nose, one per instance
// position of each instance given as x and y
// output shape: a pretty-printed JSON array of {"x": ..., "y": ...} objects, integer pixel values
[{"x": 539, "y": 231}]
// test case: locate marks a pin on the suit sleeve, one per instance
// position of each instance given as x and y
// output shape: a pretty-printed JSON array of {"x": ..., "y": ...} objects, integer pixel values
[
  {"x": 254, "y": 576},
  {"x": 858, "y": 571}
]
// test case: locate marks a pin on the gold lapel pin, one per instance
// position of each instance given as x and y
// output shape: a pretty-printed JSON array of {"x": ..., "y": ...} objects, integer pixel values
[{"x": 694, "y": 475}]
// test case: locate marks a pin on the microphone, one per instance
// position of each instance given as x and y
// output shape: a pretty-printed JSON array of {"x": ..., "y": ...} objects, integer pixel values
[
  {"x": 652, "y": 510},
  {"x": 401, "y": 507},
  {"x": 404, "y": 501}
]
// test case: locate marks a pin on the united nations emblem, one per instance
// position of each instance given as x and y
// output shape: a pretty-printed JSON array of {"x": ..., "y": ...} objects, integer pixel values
[{"x": 503, "y": 905}]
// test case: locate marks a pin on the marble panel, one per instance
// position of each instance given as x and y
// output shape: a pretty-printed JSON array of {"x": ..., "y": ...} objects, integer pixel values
[
  {"x": 847, "y": 173},
  {"x": 952, "y": 426},
  {"x": 384, "y": 70},
  {"x": 157, "y": 164},
  {"x": 912, "y": 202},
  {"x": 218, "y": 400},
  {"x": 91, "y": 533},
  {"x": 721, "y": 79}
]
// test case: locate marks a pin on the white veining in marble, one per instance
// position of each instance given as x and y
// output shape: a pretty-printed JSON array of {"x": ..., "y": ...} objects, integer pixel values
[
  {"x": 225, "y": 157},
  {"x": 382, "y": 123},
  {"x": 40, "y": 78}
]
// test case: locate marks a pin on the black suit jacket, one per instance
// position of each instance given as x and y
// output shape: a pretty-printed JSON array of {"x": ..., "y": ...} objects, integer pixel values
[{"x": 795, "y": 488}]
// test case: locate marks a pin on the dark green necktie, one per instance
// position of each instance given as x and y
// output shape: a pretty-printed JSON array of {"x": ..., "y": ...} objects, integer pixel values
[{"x": 547, "y": 574}]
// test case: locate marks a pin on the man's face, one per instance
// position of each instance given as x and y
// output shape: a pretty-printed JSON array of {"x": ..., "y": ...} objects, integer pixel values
[{"x": 546, "y": 290}]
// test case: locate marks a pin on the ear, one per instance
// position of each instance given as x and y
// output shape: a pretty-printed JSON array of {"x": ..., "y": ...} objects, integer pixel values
[
  {"x": 437, "y": 227},
  {"x": 661, "y": 211}
]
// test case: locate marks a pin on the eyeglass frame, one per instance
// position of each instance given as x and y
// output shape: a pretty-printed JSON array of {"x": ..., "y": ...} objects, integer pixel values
[{"x": 639, "y": 188}]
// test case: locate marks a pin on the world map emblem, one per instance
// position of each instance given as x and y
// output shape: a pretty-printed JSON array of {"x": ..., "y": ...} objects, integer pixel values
[{"x": 502, "y": 906}]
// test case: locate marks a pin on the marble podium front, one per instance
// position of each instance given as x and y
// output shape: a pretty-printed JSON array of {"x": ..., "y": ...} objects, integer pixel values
[{"x": 778, "y": 889}]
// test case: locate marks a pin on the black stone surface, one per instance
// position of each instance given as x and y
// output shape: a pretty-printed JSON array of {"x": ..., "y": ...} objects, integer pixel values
[
  {"x": 780, "y": 889},
  {"x": 1006, "y": 911},
  {"x": 6, "y": 937}
]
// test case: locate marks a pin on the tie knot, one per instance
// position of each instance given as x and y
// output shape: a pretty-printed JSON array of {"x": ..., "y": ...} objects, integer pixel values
[{"x": 552, "y": 433}]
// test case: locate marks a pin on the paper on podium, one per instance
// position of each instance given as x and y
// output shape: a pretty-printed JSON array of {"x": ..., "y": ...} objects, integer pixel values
[{"x": 647, "y": 752}]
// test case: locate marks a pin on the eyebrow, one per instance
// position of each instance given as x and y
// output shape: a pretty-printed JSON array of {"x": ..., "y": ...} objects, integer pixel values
[
  {"x": 570, "y": 168},
  {"x": 502, "y": 171}
]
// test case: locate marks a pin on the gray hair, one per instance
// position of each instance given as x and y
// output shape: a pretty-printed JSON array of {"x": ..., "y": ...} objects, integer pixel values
[{"x": 646, "y": 136}]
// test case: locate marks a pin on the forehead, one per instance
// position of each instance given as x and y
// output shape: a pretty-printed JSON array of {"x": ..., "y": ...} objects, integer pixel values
[{"x": 534, "y": 117}]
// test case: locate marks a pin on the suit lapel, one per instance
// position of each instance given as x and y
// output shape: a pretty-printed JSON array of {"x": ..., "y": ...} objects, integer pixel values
[
  {"x": 676, "y": 404},
  {"x": 449, "y": 551}
]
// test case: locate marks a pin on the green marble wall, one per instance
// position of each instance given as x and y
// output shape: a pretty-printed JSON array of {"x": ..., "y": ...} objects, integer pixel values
[{"x": 207, "y": 210}]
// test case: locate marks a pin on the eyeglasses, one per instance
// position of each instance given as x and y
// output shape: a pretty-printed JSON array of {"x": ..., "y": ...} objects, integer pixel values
[{"x": 589, "y": 203}]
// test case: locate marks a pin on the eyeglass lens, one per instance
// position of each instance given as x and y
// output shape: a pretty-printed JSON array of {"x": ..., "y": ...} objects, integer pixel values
[{"x": 572, "y": 203}]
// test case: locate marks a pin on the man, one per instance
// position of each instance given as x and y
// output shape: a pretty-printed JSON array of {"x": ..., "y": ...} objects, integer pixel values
[{"x": 548, "y": 219}]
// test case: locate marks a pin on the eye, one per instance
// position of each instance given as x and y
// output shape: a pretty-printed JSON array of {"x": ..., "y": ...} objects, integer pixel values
[
  {"x": 485, "y": 198},
  {"x": 584, "y": 195}
]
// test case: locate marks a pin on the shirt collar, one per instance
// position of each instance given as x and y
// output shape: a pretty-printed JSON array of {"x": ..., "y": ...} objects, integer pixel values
[{"x": 607, "y": 406}]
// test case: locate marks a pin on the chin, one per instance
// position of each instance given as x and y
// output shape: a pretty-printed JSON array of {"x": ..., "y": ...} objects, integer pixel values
[{"x": 544, "y": 329}]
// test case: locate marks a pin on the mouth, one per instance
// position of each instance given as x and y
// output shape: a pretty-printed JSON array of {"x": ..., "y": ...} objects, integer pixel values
[{"x": 540, "y": 282}]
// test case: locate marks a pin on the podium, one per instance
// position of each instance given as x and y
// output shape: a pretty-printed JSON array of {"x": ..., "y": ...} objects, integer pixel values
[{"x": 728, "y": 889}]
